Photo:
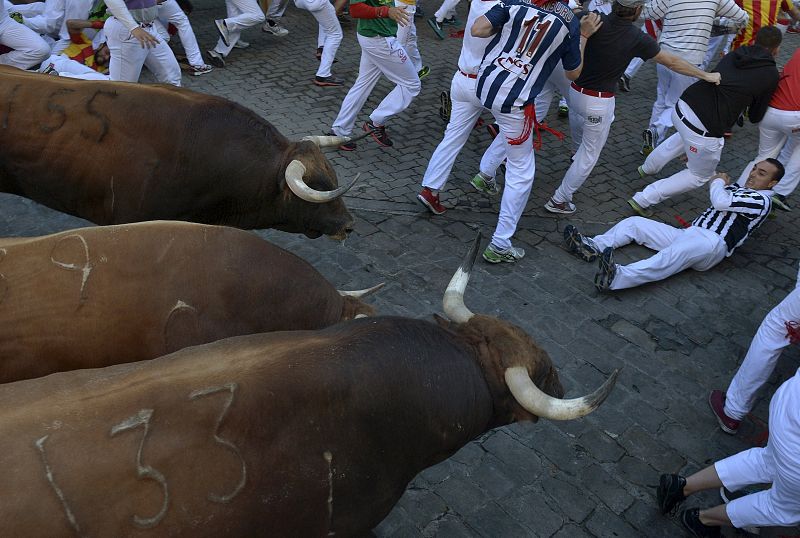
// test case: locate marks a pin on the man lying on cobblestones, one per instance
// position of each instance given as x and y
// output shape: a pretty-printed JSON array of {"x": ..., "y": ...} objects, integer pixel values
[
  {"x": 777, "y": 464},
  {"x": 734, "y": 214}
]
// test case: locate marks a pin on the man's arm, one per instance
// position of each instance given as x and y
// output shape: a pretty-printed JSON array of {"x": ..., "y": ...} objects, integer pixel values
[
  {"x": 589, "y": 25},
  {"x": 482, "y": 27},
  {"x": 737, "y": 17},
  {"x": 749, "y": 203},
  {"x": 679, "y": 65},
  {"x": 360, "y": 10},
  {"x": 758, "y": 107}
]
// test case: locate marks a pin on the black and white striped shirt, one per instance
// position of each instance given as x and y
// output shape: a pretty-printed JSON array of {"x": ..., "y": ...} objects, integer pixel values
[
  {"x": 687, "y": 24},
  {"x": 735, "y": 212}
]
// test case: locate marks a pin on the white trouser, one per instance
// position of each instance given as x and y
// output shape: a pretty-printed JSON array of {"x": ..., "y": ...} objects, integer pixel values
[
  {"x": 407, "y": 35},
  {"x": 520, "y": 169},
  {"x": 557, "y": 81},
  {"x": 590, "y": 119},
  {"x": 379, "y": 55},
  {"x": 276, "y": 9},
  {"x": 465, "y": 112},
  {"x": 670, "y": 87},
  {"x": 677, "y": 249},
  {"x": 702, "y": 152},
  {"x": 446, "y": 10},
  {"x": 128, "y": 56},
  {"x": 775, "y": 130},
  {"x": 170, "y": 12},
  {"x": 633, "y": 67},
  {"x": 330, "y": 31},
  {"x": 758, "y": 364},
  {"x": 242, "y": 14},
  {"x": 29, "y": 48},
  {"x": 778, "y": 463},
  {"x": 43, "y": 17},
  {"x": 69, "y": 68}
]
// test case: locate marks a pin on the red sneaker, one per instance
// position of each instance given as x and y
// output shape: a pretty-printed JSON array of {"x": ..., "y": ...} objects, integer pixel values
[
  {"x": 431, "y": 201},
  {"x": 716, "y": 400}
]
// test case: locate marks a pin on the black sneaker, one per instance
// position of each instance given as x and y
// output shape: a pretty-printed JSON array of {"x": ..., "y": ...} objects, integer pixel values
[
  {"x": 216, "y": 59},
  {"x": 445, "y": 105},
  {"x": 578, "y": 245},
  {"x": 779, "y": 201},
  {"x": 436, "y": 26},
  {"x": 332, "y": 80},
  {"x": 691, "y": 521},
  {"x": 648, "y": 142},
  {"x": 670, "y": 489},
  {"x": 379, "y": 134},
  {"x": 347, "y": 146},
  {"x": 607, "y": 270}
]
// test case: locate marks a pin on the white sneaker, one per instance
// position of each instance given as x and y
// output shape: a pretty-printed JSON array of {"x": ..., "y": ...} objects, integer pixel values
[
  {"x": 272, "y": 27},
  {"x": 241, "y": 44},
  {"x": 198, "y": 70}
]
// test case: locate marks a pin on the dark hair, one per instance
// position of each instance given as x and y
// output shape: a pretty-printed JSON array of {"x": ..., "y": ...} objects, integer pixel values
[
  {"x": 777, "y": 164},
  {"x": 623, "y": 12},
  {"x": 769, "y": 37}
]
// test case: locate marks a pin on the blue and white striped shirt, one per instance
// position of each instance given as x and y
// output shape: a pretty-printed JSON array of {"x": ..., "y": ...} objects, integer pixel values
[{"x": 530, "y": 42}]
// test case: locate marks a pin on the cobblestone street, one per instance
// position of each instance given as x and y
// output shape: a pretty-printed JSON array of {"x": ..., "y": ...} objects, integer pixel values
[{"x": 674, "y": 340}]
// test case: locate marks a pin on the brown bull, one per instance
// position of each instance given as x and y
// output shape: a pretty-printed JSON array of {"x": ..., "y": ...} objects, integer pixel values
[
  {"x": 282, "y": 434},
  {"x": 99, "y": 296},
  {"x": 114, "y": 152}
]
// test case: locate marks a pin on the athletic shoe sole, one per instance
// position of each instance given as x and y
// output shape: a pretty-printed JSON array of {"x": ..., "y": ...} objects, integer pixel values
[
  {"x": 221, "y": 30},
  {"x": 552, "y": 208},
  {"x": 326, "y": 84}
]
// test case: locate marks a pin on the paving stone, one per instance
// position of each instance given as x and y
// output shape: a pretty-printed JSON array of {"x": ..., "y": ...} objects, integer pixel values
[
  {"x": 531, "y": 510},
  {"x": 634, "y": 334},
  {"x": 601, "y": 446},
  {"x": 491, "y": 521},
  {"x": 604, "y": 523},
  {"x": 646, "y": 518},
  {"x": 606, "y": 488},
  {"x": 570, "y": 499}
]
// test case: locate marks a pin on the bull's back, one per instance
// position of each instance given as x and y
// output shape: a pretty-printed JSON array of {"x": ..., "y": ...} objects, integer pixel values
[
  {"x": 289, "y": 434},
  {"x": 115, "y": 152},
  {"x": 99, "y": 296}
]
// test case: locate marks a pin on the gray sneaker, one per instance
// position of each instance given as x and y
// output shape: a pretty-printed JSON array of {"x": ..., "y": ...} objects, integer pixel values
[
  {"x": 579, "y": 246},
  {"x": 272, "y": 27},
  {"x": 492, "y": 254},
  {"x": 487, "y": 185},
  {"x": 222, "y": 29},
  {"x": 565, "y": 208},
  {"x": 241, "y": 44}
]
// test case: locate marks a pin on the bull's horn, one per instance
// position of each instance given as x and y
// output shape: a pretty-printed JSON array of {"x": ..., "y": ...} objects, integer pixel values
[
  {"x": 536, "y": 402},
  {"x": 294, "y": 178},
  {"x": 453, "y": 302},
  {"x": 328, "y": 141},
  {"x": 359, "y": 316},
  {"x": 358, "y": 294}
]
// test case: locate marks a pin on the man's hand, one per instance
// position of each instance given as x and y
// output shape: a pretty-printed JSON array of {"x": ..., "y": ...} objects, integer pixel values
[
  {"x": 723, "y": 176},
  {"x": 399, "y": 15},
  {"x": 145, "y": 39},
  {"x": 590, "y": 24},
  {"x": 713, "y": 78}
]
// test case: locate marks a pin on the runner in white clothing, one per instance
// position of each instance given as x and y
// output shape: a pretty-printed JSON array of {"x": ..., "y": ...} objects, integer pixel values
[
  {"x": 516, "y": 64},
  {"x": 466, "y": 109},
  {"x": 242, "y": 14},
  {"x": 28, "y": 48},
  {"x": 777, "y": 464}
]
